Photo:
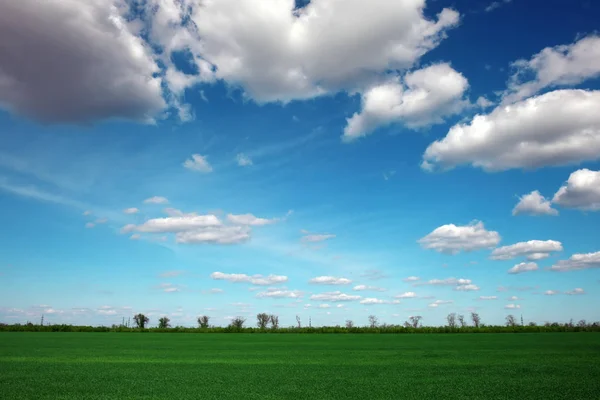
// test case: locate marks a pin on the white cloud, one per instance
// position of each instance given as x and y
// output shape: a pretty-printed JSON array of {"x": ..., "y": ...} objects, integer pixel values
[
  {"x": 90, "y": 225},
  {"x": 334, "y": 296},
  {"x": 581, "y": 191},
  {"x": 86, "y": 213},
  {"x": 565, "y": 65},
  {"x": 280, "y": 293},
  {"x": 467, "y": 288},
  {"x": 488, "y": 297},
  {"x": 483, "y": 102},
  {"x": 411, "y": 279},
  {"x": 131, "y": 210},
  {"x": 512, "y": 306},
  {"x": 532, "y": 250},
  {"x": 496, "y": 4},
  {"x": 174, "y": 224},
  {"x": 249, "y": 219},
  {"x": 313, "y": 238},
  {"x": 578, "y": 261},
  {"x": 406, "y": 295},
  {"x": 330, "y": 280},
  {"x": 373, "y": 300},
  {"x": 101, "y": 220},
  {"x": 170, "y": 288},
  {"x": 555, "y": 128},
  {"x": 437, "y": 303},
  {"x": 523, "y": 267},
  {"x": 258, "y": 280},
  {"x": 575, "y": 291},
  {"x": 534, "y": 204},
  {"x": 551, "y": 292},
  {"x": 214, "y": 235},
  {"x": 171, "y": 274},
  {"x": 135, "y": 236},
  {"x": 198, "y": 163},
  {"x": 424, "y": 97},
  {"x": 513, "y": 298},
  {"x": 324, "y": 306},
  {"x": 243, "y": 160},
  {"x": 367, "y": 287},
  {"x": 84, "y": 62},
  {"x": 452, "y": 239},
  {"x": 157, "y": 200},
  {"x": 445, "y": 282}
]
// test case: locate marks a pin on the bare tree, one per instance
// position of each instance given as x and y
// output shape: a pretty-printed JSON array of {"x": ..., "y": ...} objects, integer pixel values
[
  {"x": 373, "y": 321},
  {"x": 141, "y": 320},
  {"x": 298, "y": 321},
  {"x": 237, "y": 322},
  {"x": 262, "y": 320},
  {"x": 349, "y": 324},
  {"x": 582, "y": 323},
  {"x": 415, "y": 321},
  {"x": 476, "y": 319},
  {"x": 461, "y": 320},
  {"x": 511, "y": 320},
  {"x": 274, "y": 321},
  {"x": 203, "y": 321},
  {"x": 451, "y": 318},
  {"x": 163, "y": 322}
]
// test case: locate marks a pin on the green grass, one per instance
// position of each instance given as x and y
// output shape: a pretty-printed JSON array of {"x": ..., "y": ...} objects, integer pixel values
[{"x": 243, "y": 366}]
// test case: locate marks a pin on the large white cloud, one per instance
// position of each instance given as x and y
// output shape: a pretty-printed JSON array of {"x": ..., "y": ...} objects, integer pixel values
[
  {"x": 555, "y": 66},
  {"x": 532, "y": 250},
  {"x": 424, "y": 97},
  {"x": 75, "y": 61},
  {"x": 578, "y": 261},
  {"x": 534, "y": 204},
  {"x": 556, "y": 128},
  {"x": 582, "y": 191},
  {"x": 452, "y": 239}
]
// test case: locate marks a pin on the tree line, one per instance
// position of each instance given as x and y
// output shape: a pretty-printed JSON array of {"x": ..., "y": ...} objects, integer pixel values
[{"x": 269, "y": 323}]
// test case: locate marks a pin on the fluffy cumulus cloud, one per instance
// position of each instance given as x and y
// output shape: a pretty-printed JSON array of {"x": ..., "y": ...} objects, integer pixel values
[
  {"x": 424, "y": 97},
  {"x": 534, "y": 204},
  {"x": 334, "y": 296},
  {"x": 532, "y": 250},
  {"x": 271, "y": 50},
  {"x": 84, "y": 62},
  {"x": 556, "y": 128},
  {"x": 198, "y": 163},
  {"x": 452, "y": 239},
  {"x": 330, "y": 280},
  {"x": 523, "y": 267},
  {"x": 258, "y": 280},
  {"x": 582, "y": 191},
  {"x": 555, "y": 66},
  {"x": 280, "y": 293},
  {"x": 578, "y": 261}
]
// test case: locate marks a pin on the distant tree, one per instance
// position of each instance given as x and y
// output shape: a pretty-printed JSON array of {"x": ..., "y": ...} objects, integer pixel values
[
  {"x": 203, "y": 321},
  {"x": 274, "y": 321},
  {"x": 298, "y": 321},
  {"x": 415, "y": 321},
  {"x": 141, "y": 320},
  {"x": 582, "y": 323},
  {"x": 349, "y": 324},
  {"x": 373, "y": 321},
  {"x": 461, "y": 320},
  {"x": 532, "y": 324},
  {"x": 163, "y": 322},
  {"x": 237, "y": 322},
  {"x": 476, "y": 319},
  {"x": 511, "y": 320},
  {"x": 451, "y": 318},
  {"x": 262, "y": 320}
]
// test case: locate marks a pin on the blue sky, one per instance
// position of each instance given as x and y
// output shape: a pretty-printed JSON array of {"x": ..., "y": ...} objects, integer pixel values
[{"x": 326, "y": 161}]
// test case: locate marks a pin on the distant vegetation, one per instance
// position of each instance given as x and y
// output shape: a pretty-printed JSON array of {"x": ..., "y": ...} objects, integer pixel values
[{"x": 270, "y": 324}]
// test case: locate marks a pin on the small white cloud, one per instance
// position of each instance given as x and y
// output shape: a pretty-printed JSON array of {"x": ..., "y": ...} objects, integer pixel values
[
  {"x": 445, "y": 282},
  {"x": 258, "y": 280},
  {"x": 534, "y": 204},
  {"x": 198, "y": 163},
  {"x": 90, "y": 225},
  {"x": 174, "y": 224},
  {"x": 512, "y": 306},
  {"x": 578, "y": 261},
  {"x": 406, "y": 295},
  {"x": 172, "y": 274},
  {"x": 582, "y": 191},
  {"x": 513, "y": 298},
  {"x": 488, "y": 297},
  {"x": 324, "y": 306},
  {"x": 243, "y": 160},
  {"x": 330, "y": 280},
  {"x": 280, "y": 293},
  {"x": 334, "y": 297},
  {"x": 86, "y": 213},
  {"x": 312, "y": 238},
  {"x": 523, "y": 267},
  {"x": 101, "y": 220},
  {"x": 452, "y": 239},
  {"x": 532, "y": 250},
  {"x": 438, "y": 303},
  {"x": 156, "y": 200},
  {"x": 575, "y": 291},
  {"x": 373, "y": 300},
  {"x": 367, "y": 287},
  {"x": 135, "y": 236},
  {"x": 249, "y": 219},
  {"x": 484, "y": 103},
  {"x": 131, "y": 210},
  {"x": 411, "y": 279},
  {"x": 467, "y": 288},
  {"x": 551, "y": 292}
]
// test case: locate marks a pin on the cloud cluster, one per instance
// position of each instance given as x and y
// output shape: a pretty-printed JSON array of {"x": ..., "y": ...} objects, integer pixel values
[
  {"x": 532, "y": 250},
  {"x": 452, "y": 239},
  {"x": 578, "y": 261}
]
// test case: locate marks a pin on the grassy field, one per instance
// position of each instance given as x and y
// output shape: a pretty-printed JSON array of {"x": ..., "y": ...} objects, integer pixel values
[{"x": 239, "y": 366}]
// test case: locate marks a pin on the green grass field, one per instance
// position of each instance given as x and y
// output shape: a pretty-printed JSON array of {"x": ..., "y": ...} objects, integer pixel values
[{"x": 290, "y": 366}]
